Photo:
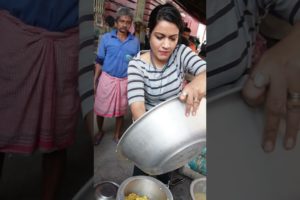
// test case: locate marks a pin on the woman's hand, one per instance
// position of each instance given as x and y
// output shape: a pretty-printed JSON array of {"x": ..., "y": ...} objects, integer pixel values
[
  {"x": 275, "y": 81},
  {"x": 193, "y": 92}
]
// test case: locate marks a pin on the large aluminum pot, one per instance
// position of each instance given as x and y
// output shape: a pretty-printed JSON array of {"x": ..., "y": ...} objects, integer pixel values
[
  {"x": 144, "y": 186},
  {"x": 164, "y": 139},
  {"x": 247, "y": 172}
]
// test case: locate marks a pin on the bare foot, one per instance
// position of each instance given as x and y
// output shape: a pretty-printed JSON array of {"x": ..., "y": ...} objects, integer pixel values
[
  {"x": 98, "y": 137},
  {"x": 116, "y": 139}
]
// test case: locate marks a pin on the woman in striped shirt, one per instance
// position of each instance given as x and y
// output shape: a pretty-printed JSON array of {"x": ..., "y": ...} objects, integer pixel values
[{"x": 158, "y": 74}]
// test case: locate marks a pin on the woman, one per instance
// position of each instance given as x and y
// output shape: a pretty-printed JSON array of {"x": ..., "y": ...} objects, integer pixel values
[{"x": 158, "y": 74}]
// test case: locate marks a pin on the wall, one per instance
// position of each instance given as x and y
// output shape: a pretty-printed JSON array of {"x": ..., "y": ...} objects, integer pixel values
[{"x": 111, "y": 7}]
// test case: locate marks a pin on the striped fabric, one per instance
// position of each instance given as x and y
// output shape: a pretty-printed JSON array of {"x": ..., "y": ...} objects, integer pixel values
[
  {"x": 232, "y": 26},
  {"x": 86, "y": 56},
  {"x": 153, "y": 86},
  {"x": 111, "y": 96},
  {"x": 39, "y": 103}
]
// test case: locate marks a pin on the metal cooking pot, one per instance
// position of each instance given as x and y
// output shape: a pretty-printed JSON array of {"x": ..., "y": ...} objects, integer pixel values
[
  {"x": 106, "y": 190},
  {"x": 164, "y": 139},
  {"x": 144, "y": 186}
]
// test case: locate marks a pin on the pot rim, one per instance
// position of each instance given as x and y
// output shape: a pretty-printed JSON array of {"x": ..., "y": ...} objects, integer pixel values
[
  {"x": 132, "y": 178},
  {"x": 192, "y": 185},
  {"x": 124, "y": 149},
  {"x": 146, "y": 114},
  {"x": 101, "y": 196}
]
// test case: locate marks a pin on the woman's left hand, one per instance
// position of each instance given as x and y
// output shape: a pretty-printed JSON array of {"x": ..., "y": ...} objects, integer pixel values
[
  {"x": 275, "y": 82},
  {"x": 193, "y": 92}
]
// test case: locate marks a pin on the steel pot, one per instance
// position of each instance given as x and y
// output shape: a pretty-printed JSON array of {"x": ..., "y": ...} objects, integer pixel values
[
  {"x": 198, "y": 189},
  {"x": 164, "y": 139},
  {"x": 144, "y": 185},
  {"x": 106, "y": 190}
]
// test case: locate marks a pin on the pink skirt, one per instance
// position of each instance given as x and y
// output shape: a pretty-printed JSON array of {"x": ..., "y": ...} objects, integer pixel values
[
  {"x": 39, "y": 101},
  {"x": 111, "y": 96}
]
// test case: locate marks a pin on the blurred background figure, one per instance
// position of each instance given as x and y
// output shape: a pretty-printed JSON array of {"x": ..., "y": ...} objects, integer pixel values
[
  {"x": 202, "y": 52},
  {"x": 140, "y": 33},
  {"x": 109, "y": 22},
  {"x": 188, "y": 40}
]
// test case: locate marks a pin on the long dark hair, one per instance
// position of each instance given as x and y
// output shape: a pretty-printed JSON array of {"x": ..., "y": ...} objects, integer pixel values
[{"x": 168, "y": 13}]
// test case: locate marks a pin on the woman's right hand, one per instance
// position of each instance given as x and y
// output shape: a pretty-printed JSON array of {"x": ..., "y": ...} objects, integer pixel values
[
  {"x": 193, "y": 92},
  {"x": 273, "y": 80}
]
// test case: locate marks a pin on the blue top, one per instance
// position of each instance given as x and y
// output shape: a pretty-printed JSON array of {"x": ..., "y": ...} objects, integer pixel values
[
  {"x": 114, "y": 55},
  {"x": 53, "y": 15}
]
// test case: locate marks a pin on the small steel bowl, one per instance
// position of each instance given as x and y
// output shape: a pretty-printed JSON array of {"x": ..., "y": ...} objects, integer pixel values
[
  {"x": 106, "y": 190},
  {"x": 198, "y": 186},
  {"x": 144, "y": 185}
]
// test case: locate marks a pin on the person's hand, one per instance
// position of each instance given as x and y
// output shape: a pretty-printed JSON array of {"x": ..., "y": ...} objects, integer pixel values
[
  {"x": 95, "y": 83},
  {"x": 193, "y": 92},
  {"x": 275, "y": 82},
  {"x": 96, "y": 76}
]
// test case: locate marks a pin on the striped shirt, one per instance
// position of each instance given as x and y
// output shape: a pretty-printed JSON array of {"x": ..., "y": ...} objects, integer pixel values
[
  {"x": 86, "y": 56},
  {"x": 153, "y": 86},
  {"x": 232, "y": 26}
]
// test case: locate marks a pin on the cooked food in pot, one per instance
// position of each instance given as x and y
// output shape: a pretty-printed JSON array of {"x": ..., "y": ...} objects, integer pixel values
[
  {"x": 133, "y": 196},
  {"x": 200, "y": 196}
]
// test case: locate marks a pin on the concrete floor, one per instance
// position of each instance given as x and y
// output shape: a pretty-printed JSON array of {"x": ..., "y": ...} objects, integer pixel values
[
  {"x": 21, "y": 175},
  {"x": 108, "y": 166}
]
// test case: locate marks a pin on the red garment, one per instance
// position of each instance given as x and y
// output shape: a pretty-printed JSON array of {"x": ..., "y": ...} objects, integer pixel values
[
  {"x": 193, "y": 46},
  {"x": 111, "y": 96},
  {"x": 39, "y": 102}
]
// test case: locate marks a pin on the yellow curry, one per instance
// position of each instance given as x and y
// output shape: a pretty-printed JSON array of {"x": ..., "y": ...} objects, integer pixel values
[
  {"x": 133, "y": 196},
  {"x": 200, "y": 196}
]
